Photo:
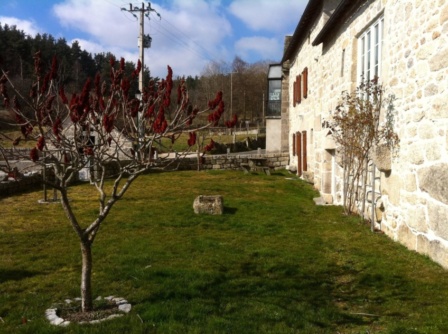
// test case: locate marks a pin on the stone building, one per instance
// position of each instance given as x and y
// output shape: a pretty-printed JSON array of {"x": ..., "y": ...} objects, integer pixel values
[{"x": 405, "y": 44}]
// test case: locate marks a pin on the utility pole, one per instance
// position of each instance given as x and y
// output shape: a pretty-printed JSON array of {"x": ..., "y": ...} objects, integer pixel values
[{"x": 144, "y": 41}]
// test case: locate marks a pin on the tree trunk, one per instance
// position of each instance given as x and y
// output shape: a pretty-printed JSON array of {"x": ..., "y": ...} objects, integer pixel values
[{"x": 86, "y": 276}]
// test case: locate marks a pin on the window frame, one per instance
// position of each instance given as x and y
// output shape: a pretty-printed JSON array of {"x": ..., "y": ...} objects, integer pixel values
[{"x": 370, "y": 47}]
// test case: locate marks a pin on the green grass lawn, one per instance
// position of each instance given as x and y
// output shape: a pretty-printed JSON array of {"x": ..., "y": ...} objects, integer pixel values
[
  {"x": 272, "y": 263},
  {"x": 180, "y": 145}
]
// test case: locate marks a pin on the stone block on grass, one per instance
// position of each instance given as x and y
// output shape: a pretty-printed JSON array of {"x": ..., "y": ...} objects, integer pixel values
[{"x": 212, "y": 205}]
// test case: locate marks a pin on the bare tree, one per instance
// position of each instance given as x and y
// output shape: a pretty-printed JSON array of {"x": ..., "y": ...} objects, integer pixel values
[
  {"x": 100, "y": 128},
  {"x": 357, "y": 129}
]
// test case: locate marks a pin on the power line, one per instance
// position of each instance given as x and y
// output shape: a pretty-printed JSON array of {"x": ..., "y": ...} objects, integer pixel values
[
  {"x": 170, "y": 35},
  {"x": 168, "y": 30},
  {"x": 203, "y": 51}
]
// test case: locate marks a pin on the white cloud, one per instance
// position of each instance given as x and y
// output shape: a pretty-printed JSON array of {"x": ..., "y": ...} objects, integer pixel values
[
  {"x": 188, "y": 35},
  {"x": 99, "y": 19},
  {"x": 268, "y": 15},
  {"x": 260, "y": 47},
  {"x": 29, "y": 27}
]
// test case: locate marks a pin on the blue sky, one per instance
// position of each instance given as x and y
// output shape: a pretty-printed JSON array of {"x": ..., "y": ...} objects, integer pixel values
[{"x": 189, "y": 35}]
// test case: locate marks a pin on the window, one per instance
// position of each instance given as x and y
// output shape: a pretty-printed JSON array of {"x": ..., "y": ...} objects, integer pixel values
[
  {"x": 369, "y": 51},
  {"x": 274, "y": 91},
  {"x": 274, "y": 97},
  {"x": 300, "y": 87}
]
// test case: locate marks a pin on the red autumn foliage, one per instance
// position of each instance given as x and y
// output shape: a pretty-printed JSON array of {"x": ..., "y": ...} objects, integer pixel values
[
  {"x": 232, "y": 122},
  {"x": 210, "y": 146},
  {"x": 49, "y": 102},
  {"x": 88, "y": 150},
  {"x": 102, "y": 104},
  {"x": 44, "y": 86},
  {"x": 216, "y": 115},
  {"x": 54, "y": 69},
  {"x": 34, "y": 156},
  {"x": 40, "y": 143},
  {"x": 62, "y": 95},
  {"x": 16, "y": 141},
  {"x": 192, "y": 113},
  {"x": 169, "y": 86},
  {"x": 26, "y": 129},
  {"x": 134, "y": 106},
  {"x": 214, "y": 103},
  {"x": 125, "y": 86},
  {"x": 75, "y": 109},
  {"x": 136, "y": 72},
  {"x": 85, "y": 95},
  {"x": 192, "y": 139},
  {"x": 150, "y": 111},
  {"x": 160, "y": 124},
  {"x": 108, "y": 123}
]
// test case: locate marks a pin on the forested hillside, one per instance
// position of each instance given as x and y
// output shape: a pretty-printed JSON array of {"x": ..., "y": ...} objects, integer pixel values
[
  {"x": 76, "y": 65},
  {"x": 243, "y": 84}
]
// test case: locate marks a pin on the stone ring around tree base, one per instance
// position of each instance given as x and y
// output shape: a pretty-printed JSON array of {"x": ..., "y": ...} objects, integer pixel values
[{"x": 122, "y": 306}]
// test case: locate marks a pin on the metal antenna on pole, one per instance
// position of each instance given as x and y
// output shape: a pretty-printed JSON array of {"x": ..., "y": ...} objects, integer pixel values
[{"x": 144, "y": 41}]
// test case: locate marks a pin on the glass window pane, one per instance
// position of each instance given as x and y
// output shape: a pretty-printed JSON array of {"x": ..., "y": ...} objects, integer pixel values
[
  {"x": 370, "y": 49},
  {"x": 368, "y": 56},
  {"x": 274, "y": 98}
]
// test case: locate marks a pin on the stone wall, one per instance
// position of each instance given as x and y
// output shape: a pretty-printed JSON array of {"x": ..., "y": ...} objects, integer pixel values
[
  {"x": 11, "y": 187},
  {"x": 414, "y": 67},
  {"x": 415, "y": 194},
  {"x": 223, "y": 162}
]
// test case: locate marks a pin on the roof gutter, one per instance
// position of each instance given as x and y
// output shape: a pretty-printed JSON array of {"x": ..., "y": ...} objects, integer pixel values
[
  {"x": 342, "y": 11},
  {"x": 300, "y": 34}
]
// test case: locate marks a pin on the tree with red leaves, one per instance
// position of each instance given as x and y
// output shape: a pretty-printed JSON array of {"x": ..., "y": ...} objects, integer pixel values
[{"x": 98, "y": 127}]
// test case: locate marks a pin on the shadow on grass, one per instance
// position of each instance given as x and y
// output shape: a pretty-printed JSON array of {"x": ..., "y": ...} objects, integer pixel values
[
  {"x": 229, "y": 211},
  {"x": 246, "y": 294},
  {"x": 16, "y": 275}
]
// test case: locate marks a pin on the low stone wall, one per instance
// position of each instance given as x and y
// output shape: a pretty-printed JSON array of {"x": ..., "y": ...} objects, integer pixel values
[
  {"x": 233, "y": 162},
  {"x": 211, "y": 162},
  {"x": 8, "y": 188}
]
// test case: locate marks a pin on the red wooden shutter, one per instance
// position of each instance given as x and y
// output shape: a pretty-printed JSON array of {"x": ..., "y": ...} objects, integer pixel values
[
  {"x": 294, "y": 94},
  {"x": 299, "y": 89},
  {"x": 305, "y": 83},
  {"x": 299, "y": 152},
  {"x": 304, "y": 153}
]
